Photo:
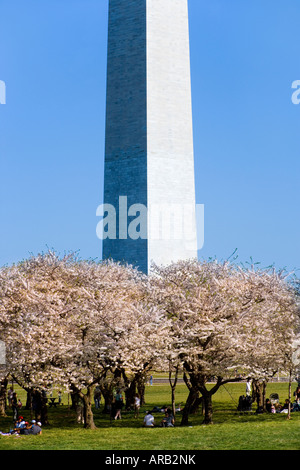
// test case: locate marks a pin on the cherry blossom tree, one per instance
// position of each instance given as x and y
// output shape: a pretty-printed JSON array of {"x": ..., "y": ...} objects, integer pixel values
[
  {"x": 53, "y": 313},
  {"x": 200, "y": 299},
  {"x": 223, "y": 319},
  {"x": 75, "y": 323},
  {"x": 27, "y": 327},
  {"x": 270, "y": 326}
]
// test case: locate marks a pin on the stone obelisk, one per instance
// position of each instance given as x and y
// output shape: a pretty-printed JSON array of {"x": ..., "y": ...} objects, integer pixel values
[{"x": 149, "y": 158}]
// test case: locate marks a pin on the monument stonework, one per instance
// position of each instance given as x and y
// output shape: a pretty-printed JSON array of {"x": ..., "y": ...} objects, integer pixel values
[{"x": 149, "y": 157}]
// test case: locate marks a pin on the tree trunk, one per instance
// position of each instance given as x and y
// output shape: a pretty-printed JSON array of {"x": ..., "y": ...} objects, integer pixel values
[
  {"x": 28, "y": 405},
  {"x": 74, "y": 400},
  {"x": 141, "y": 380},
  {"x": 77, "y": 405},
  {"x": 290, "y": 396},
  {"x": 257, "y": 393},
  {"x": 41, "y": 411},
  {"x": 193, "y": 395},
  {"x": 130, "y": 394},
  {"x": 107, "y": 393},
  {"x": 44, "y": 411},
  {"x": 195, "y": 406},
  {"x": 173, "y": 387},
  {"x": 173, "y": 402},
  {"x": 3, "y": 390},
  {"x": 88, "y": 417},
  {"x": 39, "y": 406},
  {"x": 208, "y": 409},
  {"x": 264, "y": 396}
]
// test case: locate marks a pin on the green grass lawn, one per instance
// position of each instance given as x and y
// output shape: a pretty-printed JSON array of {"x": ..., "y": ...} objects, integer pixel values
[{"x": 231, "y": 430}]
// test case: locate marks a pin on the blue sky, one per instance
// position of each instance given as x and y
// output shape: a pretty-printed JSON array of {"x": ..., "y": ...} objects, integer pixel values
[{"x": 244, "y": 58}]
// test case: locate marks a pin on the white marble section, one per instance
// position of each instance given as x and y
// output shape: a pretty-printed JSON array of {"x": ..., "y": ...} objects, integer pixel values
[{"x": 170, "y": 155}]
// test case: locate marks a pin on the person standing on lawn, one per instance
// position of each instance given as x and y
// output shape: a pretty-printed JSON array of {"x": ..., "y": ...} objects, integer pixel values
[
  {"x": 118, "y": 404},
  {"x": 248, "y": 387},
  {"x": 137, "y": 404}
]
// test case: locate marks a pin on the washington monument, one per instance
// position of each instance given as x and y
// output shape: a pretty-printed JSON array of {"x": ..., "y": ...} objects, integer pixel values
[{"x": 149, "y": 188}]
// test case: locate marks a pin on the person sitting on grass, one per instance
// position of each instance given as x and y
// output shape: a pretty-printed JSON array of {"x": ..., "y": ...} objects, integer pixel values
[
  {"x": 268, "y": 405},
  {"x": 36, "y": 428},
  {"x": 273, "y": 409},
  {"x": 168, "y": 420},
  {"x": 20, "y": 423},
  {"x": 27, "y": 430},
  {"x": 149, "y": 420},
  {"x": 295, "y": 406}
]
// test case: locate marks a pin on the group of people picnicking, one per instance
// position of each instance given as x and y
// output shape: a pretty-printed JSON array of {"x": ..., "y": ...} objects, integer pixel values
[
  {"x": 277, "y": 407},
  {"x": 22, "y": 427},
  {"x": 168, "y": 420},
  {"x": 272, "y": 404}
]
